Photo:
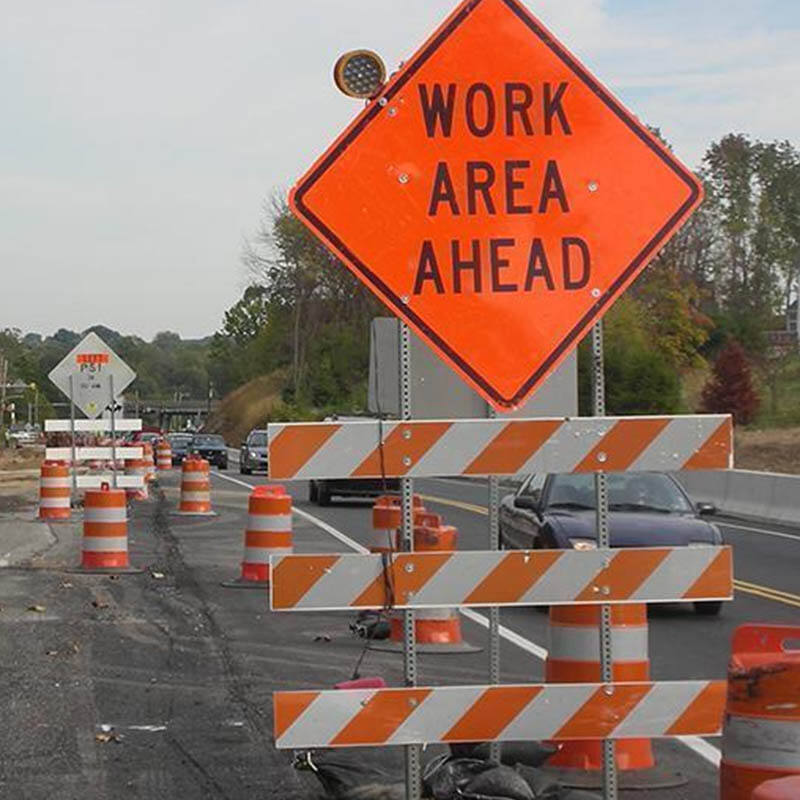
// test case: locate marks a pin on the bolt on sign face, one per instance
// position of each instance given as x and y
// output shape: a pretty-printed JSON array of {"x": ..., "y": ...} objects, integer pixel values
[{"x": 496, "y": 197}]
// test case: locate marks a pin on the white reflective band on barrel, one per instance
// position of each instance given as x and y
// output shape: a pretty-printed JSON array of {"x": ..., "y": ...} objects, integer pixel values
[
  {"x": 105, "y": 544},
  {"x": 55, "y": 483},
  {"x": 274, "y": 523},
  {"x": 112, "y": 514},
  {"x": 194, "y": 497},
  {"x": 54, "y": 502},
  {"x": 583, "y": 644},
  {"x": 260, "y": 555},
  {"x": 754, "y": 742},
  {"x": 435, "y": 613}
]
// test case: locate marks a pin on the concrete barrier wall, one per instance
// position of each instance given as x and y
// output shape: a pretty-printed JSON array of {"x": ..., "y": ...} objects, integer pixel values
[{"x": 741, "y": 493}]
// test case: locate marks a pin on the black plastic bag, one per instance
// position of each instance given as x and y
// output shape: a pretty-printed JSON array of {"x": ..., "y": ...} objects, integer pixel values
[
  {"x": 532, "y": 754},
  {"x": 348, "y": 775},
  {"x": 447, "y": 778},
  {"x": 499, "y": 783}
]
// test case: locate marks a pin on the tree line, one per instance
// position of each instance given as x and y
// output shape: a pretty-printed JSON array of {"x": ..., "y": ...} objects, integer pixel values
[
  {"x": 165, "y": 366},
  {"x": 730, "y": 275},
  {"x": 727, "y": 280}
]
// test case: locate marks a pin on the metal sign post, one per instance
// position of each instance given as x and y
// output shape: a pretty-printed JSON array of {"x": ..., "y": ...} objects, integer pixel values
[
  {"x": 72, "y": 470},
  {"x": 413, "y": 752},
  {"x": 494, "y": 611},
  {"x": 610, "y": 785},
  {"x": 113, "y": 408}
]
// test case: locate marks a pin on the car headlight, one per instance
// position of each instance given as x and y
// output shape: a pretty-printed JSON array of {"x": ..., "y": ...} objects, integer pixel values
[
  {"x": 583, "y": 544},
  {"x": 253, "y": 454}
]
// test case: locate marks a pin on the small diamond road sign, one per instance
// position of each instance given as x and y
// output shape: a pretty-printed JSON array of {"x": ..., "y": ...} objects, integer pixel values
[
  {"x": 92, "y": 363},
  {"x": 496, "y": 197}
]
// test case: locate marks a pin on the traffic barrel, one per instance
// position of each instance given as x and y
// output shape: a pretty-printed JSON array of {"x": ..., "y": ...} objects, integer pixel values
[
  {"x": 147, "y": 456},
  {"x": 105, "y": 530},
  {"x": 163, "y": 455},
  {"x": 54, "y": 491},
  {"x": 195, "y": 487},
  {"x": 137, "y": 467},
  {"x": 268, "y": 533},
  {"x": 780, "y": 789},
  {"x": 387, "y": 520},
  {"x": 761, "y": 731},
  {"x": 436, "y": 630},
  {"x": 574, "y": 657}
]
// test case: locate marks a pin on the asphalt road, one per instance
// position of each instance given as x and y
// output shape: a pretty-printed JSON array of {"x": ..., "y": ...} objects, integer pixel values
[
  {"x": 683, "y": 645},
  {"x": 158, "y": 685}
]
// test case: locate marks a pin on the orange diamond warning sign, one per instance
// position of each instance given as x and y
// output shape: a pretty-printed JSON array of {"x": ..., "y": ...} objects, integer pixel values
[{"x": 496, "y": 197}]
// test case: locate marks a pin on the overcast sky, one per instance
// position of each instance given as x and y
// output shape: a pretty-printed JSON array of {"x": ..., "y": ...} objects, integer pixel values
[{"x": 140, "y": 137}]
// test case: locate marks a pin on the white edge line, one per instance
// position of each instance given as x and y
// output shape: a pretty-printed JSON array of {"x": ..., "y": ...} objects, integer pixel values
[
  {"x": 780, "y": 535},
  {"x": 700, "y": 746}
]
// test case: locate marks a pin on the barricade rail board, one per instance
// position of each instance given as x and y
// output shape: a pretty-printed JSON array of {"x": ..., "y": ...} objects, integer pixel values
[
  {"x": 123, "y": 481},
  {"x": 92, "y": 425},
  {"x": 93, "y": 453},
  {"x": 564, "y": 712},
  {"x": 501, "y": 578},
  {"x": 370, "y": 449}
]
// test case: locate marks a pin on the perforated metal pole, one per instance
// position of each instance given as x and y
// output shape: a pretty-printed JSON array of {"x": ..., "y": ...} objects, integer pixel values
[
  {"x": 72, "y": 469},
  {"x": 113, "y": 408},
  {"x": 413, "y": 752},
  {"x": 494, "y": 611},
  {"x": 610, "y": 784}
]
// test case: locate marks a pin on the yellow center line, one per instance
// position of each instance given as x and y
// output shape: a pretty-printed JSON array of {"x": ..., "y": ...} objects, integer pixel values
[
  {"x": 766, "y": 592},
  {"x": 456, "y": 504}
]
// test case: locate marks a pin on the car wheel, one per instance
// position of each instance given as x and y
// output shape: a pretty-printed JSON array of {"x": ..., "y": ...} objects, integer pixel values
[
  {"x": 223, "y": 466},
  {"x": 245, "y": 470},
  {"x": 709, "y": 608},
  {"x": 313, "y": 492},
  {"x": 323, "y": 495}
]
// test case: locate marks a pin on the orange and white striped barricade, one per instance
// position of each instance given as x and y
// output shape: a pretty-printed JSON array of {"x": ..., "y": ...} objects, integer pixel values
[
  {"x": 475, "y": 578},
  {"x": 780, "y": 789},
  {"x": 268, "y": 533},
  {"x": 195, "y": 488},
  {"x": 436, "y": 630},
  {"x": 574, "y": 657},
  {"x": 441, "y": 448},
  {"x": 104, "y": 547},
  {"x": 55, "y": 487},
  {"x": 137, "y": 468},
  {"x": 163, "y": 455},
  {"x": 761, "y": 734},
  {"x": 455, "y": 714}
]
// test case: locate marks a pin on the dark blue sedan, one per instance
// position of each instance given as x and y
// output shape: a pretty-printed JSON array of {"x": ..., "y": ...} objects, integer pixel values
[{"x": 647, "y": 509}]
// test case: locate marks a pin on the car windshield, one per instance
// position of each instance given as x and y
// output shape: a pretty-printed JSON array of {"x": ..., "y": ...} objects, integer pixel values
[
  {"x": 258, "y": 440},
  {"x": 627, "y": 491},
  {"x": 204, "y": 441}
]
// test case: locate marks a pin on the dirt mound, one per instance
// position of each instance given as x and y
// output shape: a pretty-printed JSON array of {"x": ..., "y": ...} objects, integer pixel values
[
  {"x": 248, "y": 407},
  {"x": 774, "y": 450}
]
